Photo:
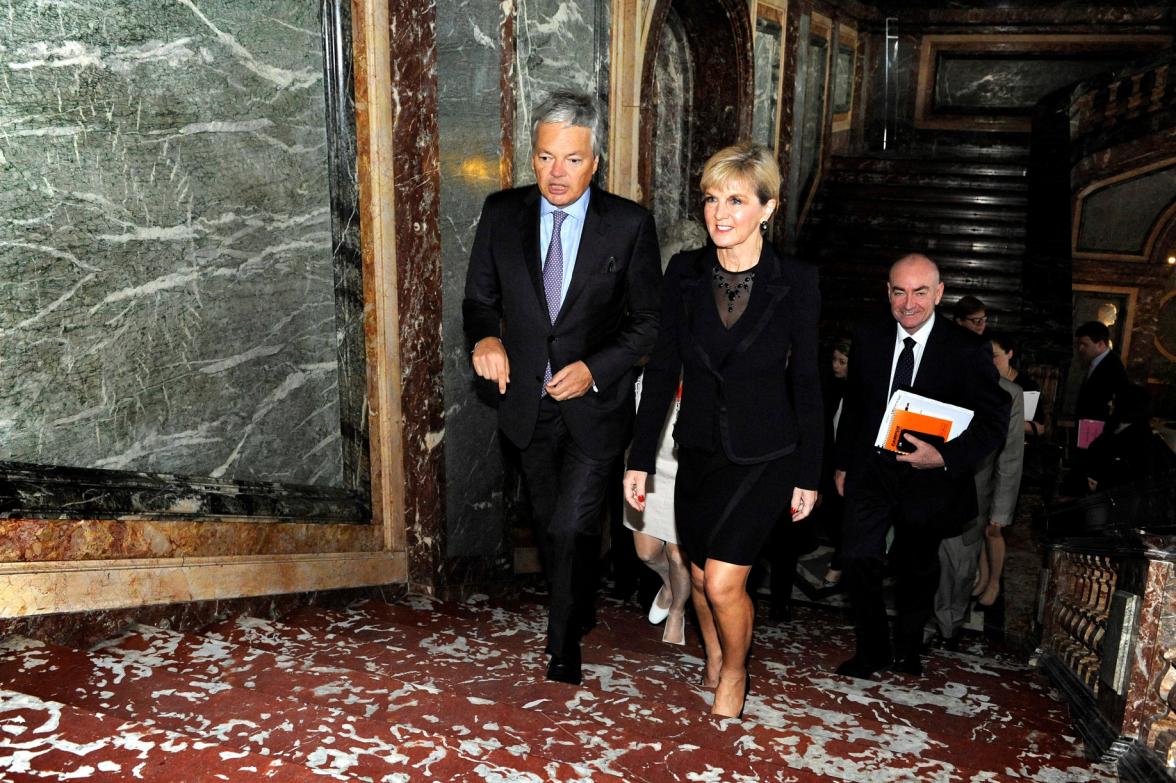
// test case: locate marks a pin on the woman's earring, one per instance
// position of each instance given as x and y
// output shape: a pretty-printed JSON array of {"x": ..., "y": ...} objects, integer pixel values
[{"x": 764, "y": 226}]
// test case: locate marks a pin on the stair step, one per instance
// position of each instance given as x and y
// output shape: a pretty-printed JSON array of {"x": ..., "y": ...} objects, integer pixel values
[
  {"x": 829, "y": 210},
  {"x": 888, "y": 226},
  {"x": 43, "y": 739},
  {"x": 902, "y": 197},
  {"x": 842, "y": 164},
  {"x": 911, "y": 185},
  {"x": 835, "y": 245}
]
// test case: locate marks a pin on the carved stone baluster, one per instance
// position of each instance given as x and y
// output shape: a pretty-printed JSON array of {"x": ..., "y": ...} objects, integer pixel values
[{"x": 1161, "y": 735}]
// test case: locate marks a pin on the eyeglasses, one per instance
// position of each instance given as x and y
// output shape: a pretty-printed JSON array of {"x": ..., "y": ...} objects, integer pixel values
[{"x": 975, "y": 320}]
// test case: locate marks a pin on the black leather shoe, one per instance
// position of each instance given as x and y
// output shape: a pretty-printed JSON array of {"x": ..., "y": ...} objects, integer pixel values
[
  {"x": 952, "y": 643},
  {"x": 861, "y": 667},
  {"x": 908, "y": 664},
  {"x": 561, "y": 670}
]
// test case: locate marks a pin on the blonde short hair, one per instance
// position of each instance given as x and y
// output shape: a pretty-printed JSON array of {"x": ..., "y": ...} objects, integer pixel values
[{"x": 747, "y": 163}]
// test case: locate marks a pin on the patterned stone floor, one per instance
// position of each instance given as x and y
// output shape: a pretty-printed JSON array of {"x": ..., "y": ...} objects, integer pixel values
[{"x": 428, "y": 690}]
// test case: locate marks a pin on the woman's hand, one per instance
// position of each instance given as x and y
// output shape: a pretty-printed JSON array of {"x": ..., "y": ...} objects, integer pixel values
[
  {"x": 803, "y": 502},
  {"x": 635, "y": 488}
]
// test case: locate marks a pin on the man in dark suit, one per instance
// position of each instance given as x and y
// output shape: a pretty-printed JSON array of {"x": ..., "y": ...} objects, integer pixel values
[
  {"x": 1105, "y": 374},
  {"x": 927, "y": 494},
  {"x": 561, "y": 302}
]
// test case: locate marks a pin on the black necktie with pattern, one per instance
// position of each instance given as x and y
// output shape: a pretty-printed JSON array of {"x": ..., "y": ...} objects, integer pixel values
[{"x": 904, "y": 371}]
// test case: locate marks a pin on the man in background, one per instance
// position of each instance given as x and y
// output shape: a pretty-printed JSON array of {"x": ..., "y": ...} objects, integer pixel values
[
  {"x": 1105, "y": 374},
  {"x": 927, "y": 494}
]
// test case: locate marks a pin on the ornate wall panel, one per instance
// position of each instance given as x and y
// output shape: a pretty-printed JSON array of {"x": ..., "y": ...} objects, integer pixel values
[
  {"x": 179, "y": 262},
  {"x": 992, "y": 82}
]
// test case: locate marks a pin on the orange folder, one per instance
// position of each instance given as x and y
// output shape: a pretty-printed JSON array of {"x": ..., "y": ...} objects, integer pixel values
[{"x": 916, "y": 423}]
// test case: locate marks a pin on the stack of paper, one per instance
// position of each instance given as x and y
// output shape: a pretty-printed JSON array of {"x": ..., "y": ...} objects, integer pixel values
[{"x": 923, "y": 417}]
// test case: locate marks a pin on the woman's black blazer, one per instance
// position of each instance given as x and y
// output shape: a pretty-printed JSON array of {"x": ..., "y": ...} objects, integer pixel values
[{"x": 763, "y": 399}]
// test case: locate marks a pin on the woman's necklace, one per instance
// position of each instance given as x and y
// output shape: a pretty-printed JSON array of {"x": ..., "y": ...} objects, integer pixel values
[{"x": 733, "y": 287}]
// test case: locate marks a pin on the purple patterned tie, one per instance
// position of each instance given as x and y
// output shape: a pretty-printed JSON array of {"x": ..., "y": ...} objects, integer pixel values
[{"x": 553, "y": 281}]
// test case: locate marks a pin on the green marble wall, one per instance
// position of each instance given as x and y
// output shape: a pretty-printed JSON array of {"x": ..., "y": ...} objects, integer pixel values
[{"x": 166, "y": 290}]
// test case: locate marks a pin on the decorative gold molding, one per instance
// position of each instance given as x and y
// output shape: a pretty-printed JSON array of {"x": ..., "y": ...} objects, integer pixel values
[
  {"x": 846, "y": 34},
  {"x": 374, "y": 123},
  {"x": 821, "y": 26},
  {"x": 87, "y": 585},
  {"x": 1132, "y": 293},
  {"x": 630, "y": 30},
  {"x": 932, "y": 45},
  {"x": 776, "y": 11},
  {"x": 1154, "y": 232},
  {"x": 1167, "y": 354}
]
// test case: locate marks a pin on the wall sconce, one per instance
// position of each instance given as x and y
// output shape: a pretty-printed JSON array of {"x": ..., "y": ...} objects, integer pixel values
[{"x": 1171, "y": 260}]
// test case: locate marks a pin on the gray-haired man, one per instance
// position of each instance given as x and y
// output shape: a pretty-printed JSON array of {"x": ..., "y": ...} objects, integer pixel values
[{"x": 561, "y": 302}]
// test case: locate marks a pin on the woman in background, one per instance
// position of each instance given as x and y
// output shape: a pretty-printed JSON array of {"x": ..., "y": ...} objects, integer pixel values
[
  {"x": 655, "y": 536},
  {"x": 832, "y": 504}
]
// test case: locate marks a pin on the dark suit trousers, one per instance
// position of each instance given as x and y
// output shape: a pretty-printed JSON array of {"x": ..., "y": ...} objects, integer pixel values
[
  {"x": 567, "y": 489},
  {"x": 889, "y": 493}
]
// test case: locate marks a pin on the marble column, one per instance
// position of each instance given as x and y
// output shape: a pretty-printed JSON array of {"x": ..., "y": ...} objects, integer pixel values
[{"x": 417, "y": 186}]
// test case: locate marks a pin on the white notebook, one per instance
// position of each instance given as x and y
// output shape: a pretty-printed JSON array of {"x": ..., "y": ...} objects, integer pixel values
[
  {"x": 1031, "y": 400},
  {"x": 908, "y": 411}
]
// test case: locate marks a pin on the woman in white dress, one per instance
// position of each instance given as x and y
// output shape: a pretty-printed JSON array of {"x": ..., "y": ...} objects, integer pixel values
[{"x": 655, "y": 537}]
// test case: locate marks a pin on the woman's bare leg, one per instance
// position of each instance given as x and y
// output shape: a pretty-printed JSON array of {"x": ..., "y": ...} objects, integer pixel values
[
  {"x": 652, "y": 552},
  {"x": 994, "y": 544},
  {"x": 726, "y": 593},
  {"x": 981, "y": 574},
  {"x": 679, "y": 579},
  {"x": 706, "y": 623}
]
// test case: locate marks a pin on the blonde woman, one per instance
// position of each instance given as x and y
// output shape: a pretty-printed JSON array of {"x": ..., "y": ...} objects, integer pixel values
[{"x": 739, "y": 327}]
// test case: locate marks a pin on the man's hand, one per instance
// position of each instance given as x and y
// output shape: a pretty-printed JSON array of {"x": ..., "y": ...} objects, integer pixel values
[
  {"x": 491, "y": 363},
  {"x": 924, "y": 457},
  {"x": 635, "y": 488},
  {"x": 572, "y": 381},
  {"x": 839, "y": 482}
]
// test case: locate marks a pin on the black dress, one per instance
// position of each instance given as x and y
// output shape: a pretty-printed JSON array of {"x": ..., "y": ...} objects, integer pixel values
[{"x": 727, "y": 503}]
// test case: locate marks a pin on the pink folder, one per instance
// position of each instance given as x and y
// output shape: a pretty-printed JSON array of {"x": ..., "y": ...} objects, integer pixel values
[{"x": 1088, "y": 430}]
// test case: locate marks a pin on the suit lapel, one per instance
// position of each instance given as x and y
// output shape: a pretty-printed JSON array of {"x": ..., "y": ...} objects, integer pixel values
[
  {"x": 878, "y": 377},
  {"x": 696, "y": 294},
  {"x": 766, "y": 292},
  {"x": 529, "y": 221},
  {"x": 931, "y": 357},
  {"x": 591, "y": 252}
]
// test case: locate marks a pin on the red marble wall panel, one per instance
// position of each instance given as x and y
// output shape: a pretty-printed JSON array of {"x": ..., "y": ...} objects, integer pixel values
[{"x": 417, "y": 184}]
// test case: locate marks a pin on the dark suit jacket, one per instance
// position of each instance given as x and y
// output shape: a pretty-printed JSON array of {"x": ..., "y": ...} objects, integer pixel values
[
  {"x": 1094, "y": 396},
  {"x": 759, "y": 414},
  {"x": 956, "y": 368},
  {"x": 608, "y": 319}
]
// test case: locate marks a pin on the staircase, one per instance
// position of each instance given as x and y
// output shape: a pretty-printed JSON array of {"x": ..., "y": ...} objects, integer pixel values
[
  {"x": 427, "y": 690},
  {"x": 966, "y": 213}
]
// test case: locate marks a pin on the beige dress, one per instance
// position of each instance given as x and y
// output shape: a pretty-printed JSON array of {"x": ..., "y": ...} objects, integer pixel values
[{"x": 658, "y": 518}]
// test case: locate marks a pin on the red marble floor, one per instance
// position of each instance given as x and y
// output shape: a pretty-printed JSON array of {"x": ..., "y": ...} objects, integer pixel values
[{"x": 428, "y": 690}]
